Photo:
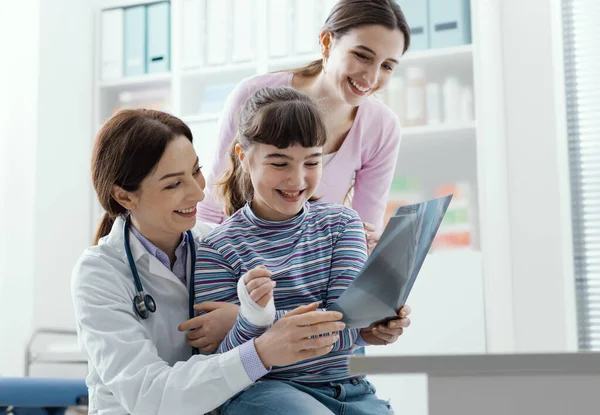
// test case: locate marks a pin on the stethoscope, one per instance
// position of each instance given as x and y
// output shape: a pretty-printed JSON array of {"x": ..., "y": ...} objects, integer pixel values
[{"x": 144, "y": 304}]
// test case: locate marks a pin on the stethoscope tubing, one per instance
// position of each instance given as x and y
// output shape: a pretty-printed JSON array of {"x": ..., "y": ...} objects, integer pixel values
[{"x": 136, "y": 277}]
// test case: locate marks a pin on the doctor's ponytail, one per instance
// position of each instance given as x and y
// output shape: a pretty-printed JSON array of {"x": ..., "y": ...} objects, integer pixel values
[
  {"x": 104, "y": 228},
  {"x": 127, "y": 149}
]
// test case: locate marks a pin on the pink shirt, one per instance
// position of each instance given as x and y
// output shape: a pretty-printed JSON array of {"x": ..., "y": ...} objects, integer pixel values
[{"x": 367, "y": 156}]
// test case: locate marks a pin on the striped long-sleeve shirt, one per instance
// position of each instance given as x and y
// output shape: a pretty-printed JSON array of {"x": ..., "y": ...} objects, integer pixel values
[{"x": 313, "y": 257}]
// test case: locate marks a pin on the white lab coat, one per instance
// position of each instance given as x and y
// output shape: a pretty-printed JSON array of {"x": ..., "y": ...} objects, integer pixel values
[{"x": 144, "y": 366}]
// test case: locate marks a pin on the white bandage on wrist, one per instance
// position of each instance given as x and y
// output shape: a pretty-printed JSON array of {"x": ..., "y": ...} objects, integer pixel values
[{"x": 252, "y": 312}]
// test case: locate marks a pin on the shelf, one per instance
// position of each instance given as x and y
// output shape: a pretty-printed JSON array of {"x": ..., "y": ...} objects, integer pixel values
[
  {"x": 110, "y": 4},
  {"x": 441, "y": 131},
  {"x": 457, "y": 53},
  {"x": 220, "y": 69},
  {"x": 191, "y": 119},
  {"x": 291, "y": 62},
  {"x": 137, "y": 82}
]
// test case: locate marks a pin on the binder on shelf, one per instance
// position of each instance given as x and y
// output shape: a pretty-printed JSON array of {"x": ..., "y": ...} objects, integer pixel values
[
  {"x": 305, "y": 26},
  {"x": 243, "y": 41},
  {"x": 417, "y": 16},
  {"x": 158, "y": 53},
  {"x": 450, "y": 23},
  {"x": 111, "y": 55},
  {"x": 193, "y": 29},
  {"x": 217, "y": 31},
  {"x": 135, "y": 41},
  {"x": 279, "y": 23}
]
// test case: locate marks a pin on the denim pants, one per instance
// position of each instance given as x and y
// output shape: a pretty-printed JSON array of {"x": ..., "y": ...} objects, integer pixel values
[{"x": 355, "y": 396}]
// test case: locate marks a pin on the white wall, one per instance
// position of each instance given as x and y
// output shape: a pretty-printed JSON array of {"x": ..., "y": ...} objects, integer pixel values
[
  {"x": 47, "y": 138},
  {"x": 63, "y": 155},
  {"x": 492, "y": 175},
  {"x": 3, "y": 184},
  {"x": 19, "y": 86},
  {"x": 542, "y": 276}
]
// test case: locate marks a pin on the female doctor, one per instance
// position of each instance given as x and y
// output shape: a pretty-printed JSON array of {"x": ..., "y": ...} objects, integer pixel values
[{"x": 130, "y": 290}]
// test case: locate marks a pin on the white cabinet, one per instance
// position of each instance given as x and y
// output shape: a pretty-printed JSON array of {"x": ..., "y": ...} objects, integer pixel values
[{"x": 463, "y": 150}]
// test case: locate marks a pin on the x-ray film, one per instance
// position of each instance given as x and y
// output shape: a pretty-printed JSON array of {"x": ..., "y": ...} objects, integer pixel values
[{"x": 386, "y": 279}]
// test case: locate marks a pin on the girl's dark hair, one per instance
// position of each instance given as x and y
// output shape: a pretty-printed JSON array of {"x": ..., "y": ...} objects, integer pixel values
[
  {"x": 127, "y": 149},
  {"x": 349, "y": 14},
  {"x": 279, "y": 116}
]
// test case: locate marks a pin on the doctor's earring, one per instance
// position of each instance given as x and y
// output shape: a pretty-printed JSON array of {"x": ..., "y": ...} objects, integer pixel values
[{"x": 324, "y": 60}]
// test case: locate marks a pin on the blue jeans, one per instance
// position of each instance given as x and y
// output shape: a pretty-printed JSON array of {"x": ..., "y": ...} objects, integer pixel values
[{"x": 277, "y": 397}]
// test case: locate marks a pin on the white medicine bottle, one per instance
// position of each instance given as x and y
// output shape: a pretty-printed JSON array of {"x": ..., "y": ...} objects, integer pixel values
[{"x": 415, "y": 96}]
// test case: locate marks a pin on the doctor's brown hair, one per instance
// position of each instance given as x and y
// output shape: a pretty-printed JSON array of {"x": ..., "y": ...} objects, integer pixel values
[
  {"x": 279, "y": 116},
  {"x": 350, "y": 14},
  {"x": 126, "y": 150}
]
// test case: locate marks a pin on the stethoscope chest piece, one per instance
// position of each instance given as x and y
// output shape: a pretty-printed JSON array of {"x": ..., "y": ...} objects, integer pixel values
[{"x": 144, "y": 304}]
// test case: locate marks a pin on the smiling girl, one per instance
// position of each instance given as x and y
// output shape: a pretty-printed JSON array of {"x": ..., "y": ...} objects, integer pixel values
[{"x": 278, "y": 234}]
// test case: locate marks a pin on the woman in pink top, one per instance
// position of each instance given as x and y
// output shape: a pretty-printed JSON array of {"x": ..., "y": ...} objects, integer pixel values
[{"x": 361, "y": 43}]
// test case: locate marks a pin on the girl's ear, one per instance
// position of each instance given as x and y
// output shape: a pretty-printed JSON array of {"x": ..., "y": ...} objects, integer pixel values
[
  {"x": 128, "y": 200},
  {"x": 241, "y": 157},
  {"x": 240, "y": 152}
]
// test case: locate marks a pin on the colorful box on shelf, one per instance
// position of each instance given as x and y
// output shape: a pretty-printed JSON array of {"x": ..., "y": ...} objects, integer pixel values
[
  {"x": 403, "y": 191},
  {"x": 456, "y": 230}
]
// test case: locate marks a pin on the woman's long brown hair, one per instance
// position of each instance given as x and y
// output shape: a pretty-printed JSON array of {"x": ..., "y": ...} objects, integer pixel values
[{"x": 127, "y": 149}]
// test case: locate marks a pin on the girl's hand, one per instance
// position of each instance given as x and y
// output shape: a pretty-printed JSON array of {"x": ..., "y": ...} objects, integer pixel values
[
  {"x": 259, "y": 285},
  {"x": 301, "y": 334},
  {"x": 386, "y": 334},
  {"x": 372, "y": 236},
  {"x": 207, "y": 331}
]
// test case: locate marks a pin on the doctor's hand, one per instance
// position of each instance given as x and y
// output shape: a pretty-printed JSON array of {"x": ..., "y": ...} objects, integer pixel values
[
  {"x": 301, "y": 334},
  {"x": 207, "y": 331},
  {"x": 372, "y": 236},
  {"x": 385, "y": 334},
  {"x": 259, "y": 285}
]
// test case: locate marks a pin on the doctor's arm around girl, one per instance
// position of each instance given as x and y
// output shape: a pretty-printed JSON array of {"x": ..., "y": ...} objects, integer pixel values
[
  {"x": 131, "y": 289},
  {"x": 278, "y": 233}
]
